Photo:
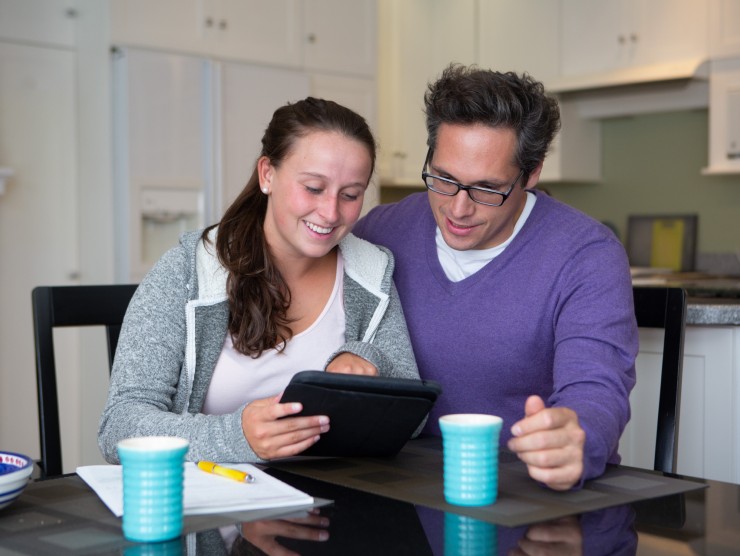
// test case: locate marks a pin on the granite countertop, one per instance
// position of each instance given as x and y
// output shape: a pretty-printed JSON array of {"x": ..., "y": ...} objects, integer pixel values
[
  {"x": 713, "y": 311},
  {"x": 712, "y": 299}
]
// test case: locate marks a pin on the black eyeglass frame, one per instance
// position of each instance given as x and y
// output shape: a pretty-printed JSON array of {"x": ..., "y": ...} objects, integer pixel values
[{"x": 467, "y": 188}]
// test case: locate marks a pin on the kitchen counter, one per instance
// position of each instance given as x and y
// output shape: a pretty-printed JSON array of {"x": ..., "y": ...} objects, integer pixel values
[
  {"x": 712, "y": 311},
  {"x": 712, "y": 299}
]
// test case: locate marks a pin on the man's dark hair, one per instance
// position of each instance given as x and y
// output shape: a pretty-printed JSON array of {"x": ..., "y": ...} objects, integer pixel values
[{"x": 469, "y": 95}]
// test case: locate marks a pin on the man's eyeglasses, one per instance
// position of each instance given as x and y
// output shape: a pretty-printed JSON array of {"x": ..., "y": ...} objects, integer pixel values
[{"x": 477, "y": 193}]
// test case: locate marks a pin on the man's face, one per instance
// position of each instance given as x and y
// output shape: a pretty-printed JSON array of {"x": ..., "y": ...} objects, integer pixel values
[{"x": 476, "y": 155}]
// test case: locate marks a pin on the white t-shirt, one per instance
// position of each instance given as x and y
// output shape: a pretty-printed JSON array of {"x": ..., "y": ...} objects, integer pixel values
[
  {"x": 458, "y": 265},
  {"x": 239, "y": 379}
]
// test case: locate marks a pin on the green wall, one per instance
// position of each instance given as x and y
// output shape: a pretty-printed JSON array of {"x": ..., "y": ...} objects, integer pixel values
[{"x": 652, "y": 165}]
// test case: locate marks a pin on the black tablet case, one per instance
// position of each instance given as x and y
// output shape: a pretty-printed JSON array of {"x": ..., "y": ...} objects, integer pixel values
[{"x": 369, "y": 416}]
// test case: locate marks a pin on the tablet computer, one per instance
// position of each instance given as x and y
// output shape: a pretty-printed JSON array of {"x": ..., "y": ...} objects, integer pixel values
[{"x": 369, "y": 415}]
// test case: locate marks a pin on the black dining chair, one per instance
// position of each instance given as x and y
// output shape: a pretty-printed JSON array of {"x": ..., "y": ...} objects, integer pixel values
[
  {"x": 68, "y": 306},
  {"x": 660, "y": 307}
]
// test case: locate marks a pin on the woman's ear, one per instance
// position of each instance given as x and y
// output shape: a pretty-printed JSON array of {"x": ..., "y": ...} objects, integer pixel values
[
  {"x": 534, "y": 177},
  {"x": 265, "y": 173}
]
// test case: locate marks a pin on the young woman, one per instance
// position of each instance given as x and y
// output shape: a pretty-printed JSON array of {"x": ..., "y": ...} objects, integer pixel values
[{"x": 222, "y": 322}]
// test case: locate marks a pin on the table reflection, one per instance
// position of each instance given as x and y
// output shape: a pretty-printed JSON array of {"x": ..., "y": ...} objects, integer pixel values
[{"x": 362, "y": 523}]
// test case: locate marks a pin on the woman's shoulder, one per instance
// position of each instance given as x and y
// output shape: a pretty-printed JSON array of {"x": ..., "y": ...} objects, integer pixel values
[{"x": 373, "y": 263}]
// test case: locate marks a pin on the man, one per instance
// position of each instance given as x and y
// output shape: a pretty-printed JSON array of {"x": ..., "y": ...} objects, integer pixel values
[{"x": 517, "y": 304}]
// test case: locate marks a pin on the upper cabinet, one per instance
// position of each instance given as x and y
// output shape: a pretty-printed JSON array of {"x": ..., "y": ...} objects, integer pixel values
[
  {"x": 420, "y": 38},
  {"x": 316, "y": 35},
  {"x": 340, "y": 36},
  {"x": 38, "y": 22},
  {"x": 631, "y": 41},
  {"x": 503, "y": 46},
  {"x": 724, "y": 37},
  {"x": 250, "y": 30}
]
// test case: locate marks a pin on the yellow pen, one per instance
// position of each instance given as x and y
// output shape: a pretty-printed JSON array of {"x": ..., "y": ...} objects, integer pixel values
[{"x": 216, "y": 469}]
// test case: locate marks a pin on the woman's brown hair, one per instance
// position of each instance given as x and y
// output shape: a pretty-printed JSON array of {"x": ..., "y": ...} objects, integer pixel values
[{"x": 258, "y": 296}]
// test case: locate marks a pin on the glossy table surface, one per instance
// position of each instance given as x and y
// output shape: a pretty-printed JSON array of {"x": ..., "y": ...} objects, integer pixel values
[{"x": 63, "y": 516}]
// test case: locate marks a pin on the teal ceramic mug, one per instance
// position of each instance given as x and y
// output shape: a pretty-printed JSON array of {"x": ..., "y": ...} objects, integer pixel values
[
  {"x": 153, "y": 475},
  {"x": 470, "y": 445}
]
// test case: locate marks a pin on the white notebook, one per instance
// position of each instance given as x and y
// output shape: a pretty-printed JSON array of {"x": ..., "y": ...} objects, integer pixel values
[{"x": 204, "y": 493}]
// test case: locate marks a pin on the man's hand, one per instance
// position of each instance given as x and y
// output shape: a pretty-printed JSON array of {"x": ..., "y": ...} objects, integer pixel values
[
  {"x": 550, "y": 441},
  {"x": 351, "y": 364},
  {"x": 560, "y": 537}
]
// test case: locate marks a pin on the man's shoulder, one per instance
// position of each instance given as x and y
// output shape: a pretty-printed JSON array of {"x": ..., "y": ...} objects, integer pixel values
[
  {"x": 387, "y": 220},
  {"x": 570, "y": 225}
]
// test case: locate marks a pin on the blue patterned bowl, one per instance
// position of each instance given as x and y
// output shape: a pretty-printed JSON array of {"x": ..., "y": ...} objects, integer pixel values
[{"x": 15, "y": 470}]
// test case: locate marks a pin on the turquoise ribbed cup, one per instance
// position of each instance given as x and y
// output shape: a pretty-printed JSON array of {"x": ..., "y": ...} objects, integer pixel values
[
  {"x": 465, "y": 536},
  {"x": 153, "y": 474},
  {"x": 470, "y": 444}
]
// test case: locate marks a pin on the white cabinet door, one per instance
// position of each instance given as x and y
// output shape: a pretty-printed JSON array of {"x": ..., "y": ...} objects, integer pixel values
[
  {"x": 724, "y": 28},
  {"x": 669, "y": 30},
  {"x": 46, "y": 22},
  {"x": 341, "y": 36},
  {"x": 254, "y": 30},
  {"x": 708, "y": 444},
  {"x": 420, "y": 39},
  {"x": 503, "y": 46},
  {"x": 724, "y": 117},
  {"x": 163, "y": 155},
  {"x": 594, "y": 36},
  {"x": 249, "y": 95},
  {"x": 599, "y": 37},
  {"x": 38, "y": 229},
  {"x": 164, "y": 24}
]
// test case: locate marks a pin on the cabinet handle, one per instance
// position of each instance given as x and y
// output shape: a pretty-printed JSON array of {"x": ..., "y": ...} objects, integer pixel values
[
  {"x": 222, "y": 25},
  {"x": 209, "y": 22},
  {"x": 311, "y": 38},
  {"x": 633, "y": 37},
  {"x": 621, "y": 39}
]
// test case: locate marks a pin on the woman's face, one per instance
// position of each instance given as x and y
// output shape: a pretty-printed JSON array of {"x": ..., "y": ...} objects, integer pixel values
[{"x": 315, "y": 195}]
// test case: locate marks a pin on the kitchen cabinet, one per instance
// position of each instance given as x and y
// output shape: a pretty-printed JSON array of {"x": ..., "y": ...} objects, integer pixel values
[
  {"x": 724, "y": 26},
  {"x": 316, "y": 35},
  {"x": 724, "y": 117},
  {"x": 250, "y": 30},
  {"x": 575, "y": 153},
  {"x": 602, "y": 41},
  {"x": 503, "y": 46},
  {"x": 340, "y": 36},
  {"x": 709, "y": 444},
  {"x": 41, "y": 22},
  {"x": 421, "y": 37}
]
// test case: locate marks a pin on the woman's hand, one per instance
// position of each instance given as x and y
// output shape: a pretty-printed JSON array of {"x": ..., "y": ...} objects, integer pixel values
[
  {"x": 263, "y": 533},
  {"x": 272, "y": 437},
  {"x": 351, "y": 364}
]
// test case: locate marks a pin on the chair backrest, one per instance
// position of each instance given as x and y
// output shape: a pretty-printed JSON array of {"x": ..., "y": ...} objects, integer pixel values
[
  {"x": 68, "y": 306},
  {"x": 657, "y": 307}
]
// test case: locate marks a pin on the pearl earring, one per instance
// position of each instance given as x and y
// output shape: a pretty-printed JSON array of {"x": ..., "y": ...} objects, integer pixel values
[{"x": 264, "y": 190}]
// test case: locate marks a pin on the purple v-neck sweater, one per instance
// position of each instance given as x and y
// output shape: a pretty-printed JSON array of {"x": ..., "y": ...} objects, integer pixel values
[{"x": 552, "y": 315}]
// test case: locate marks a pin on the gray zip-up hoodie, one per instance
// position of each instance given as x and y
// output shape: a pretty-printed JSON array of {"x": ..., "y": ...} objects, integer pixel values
[{"x": 175, "y": 328}]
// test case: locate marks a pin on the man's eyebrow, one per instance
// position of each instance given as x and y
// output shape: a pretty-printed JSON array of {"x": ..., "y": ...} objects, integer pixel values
[{"x": 448, "y": 175}]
